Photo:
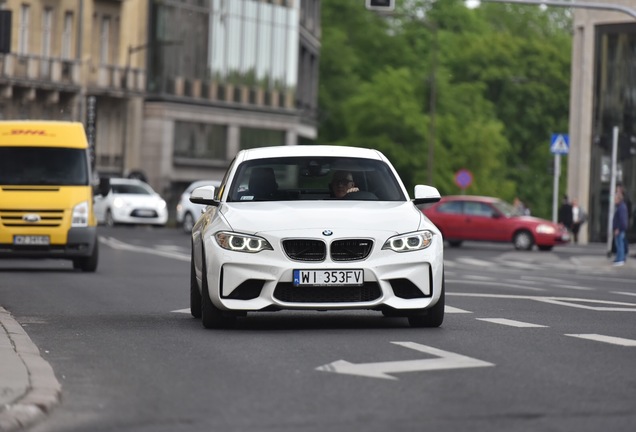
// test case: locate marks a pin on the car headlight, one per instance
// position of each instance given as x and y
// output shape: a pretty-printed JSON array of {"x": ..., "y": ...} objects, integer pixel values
[
  {"x": 409, "y": 242},
  {"x": 79, "y": 217},
  {"x": 118, "y": 202},
  {"x": 545, "y": 229},
  {"x": 162, "y": 205},
  {"x": 241, "y": 242}
]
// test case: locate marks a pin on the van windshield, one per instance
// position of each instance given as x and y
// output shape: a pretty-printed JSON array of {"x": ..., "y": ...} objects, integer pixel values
[{"x": 43, "y": 166}]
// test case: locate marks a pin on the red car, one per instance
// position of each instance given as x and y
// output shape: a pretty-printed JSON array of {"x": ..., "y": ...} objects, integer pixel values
[{"x": 480, "y": 218}]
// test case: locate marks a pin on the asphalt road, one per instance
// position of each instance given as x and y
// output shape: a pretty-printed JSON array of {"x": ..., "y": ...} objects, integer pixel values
[{"x": 531, "y": 341}]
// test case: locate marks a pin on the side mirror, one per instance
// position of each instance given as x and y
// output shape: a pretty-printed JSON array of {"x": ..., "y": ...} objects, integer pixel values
[
  {"x": 204, "y": 195},
  {"x": 426, "y": 195}
]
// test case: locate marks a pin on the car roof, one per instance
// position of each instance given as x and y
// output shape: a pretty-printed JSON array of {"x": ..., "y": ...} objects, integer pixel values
[
  {"x": 122, "y": 180},
  {"x": 477, "y": 198},
  {"x": 309, "y": 150}
]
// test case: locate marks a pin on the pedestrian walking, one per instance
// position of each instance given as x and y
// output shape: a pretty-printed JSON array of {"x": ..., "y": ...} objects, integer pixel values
[
  {"x": 619, "y": 226},
  {"x": 565, "y": 213},
  {"x": 579, "y": 217}
]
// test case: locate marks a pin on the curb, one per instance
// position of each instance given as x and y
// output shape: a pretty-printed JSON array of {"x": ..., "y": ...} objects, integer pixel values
[{"x": 42, "y": 391}]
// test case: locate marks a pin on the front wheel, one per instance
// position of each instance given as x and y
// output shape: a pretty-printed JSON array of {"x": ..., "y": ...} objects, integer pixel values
[
  {"x": 523, "y": 240},
  {"x": 211, "y": 316},
  {"x": 109, "y": 219},
  {"x": 432, "y": 317},
  {"x": 195, "y": 294},
  {"x": 89, "y": 263},
  {"x": 188, "y": 222}
]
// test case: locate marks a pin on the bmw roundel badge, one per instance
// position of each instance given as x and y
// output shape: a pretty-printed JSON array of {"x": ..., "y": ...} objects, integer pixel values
[{"x": 327, "y": 233}]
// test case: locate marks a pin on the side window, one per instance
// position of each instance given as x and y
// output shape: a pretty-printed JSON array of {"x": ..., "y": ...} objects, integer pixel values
[
  {"x": 452, "y": 207},
  {"x": 478, "y": 209}
]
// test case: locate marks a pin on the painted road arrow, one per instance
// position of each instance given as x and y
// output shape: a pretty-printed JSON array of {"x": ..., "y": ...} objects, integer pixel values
[{"x": 445, "y": 360}]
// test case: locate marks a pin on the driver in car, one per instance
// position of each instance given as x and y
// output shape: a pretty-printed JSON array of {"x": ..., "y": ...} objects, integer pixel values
[{"x": 342, "y": 184}]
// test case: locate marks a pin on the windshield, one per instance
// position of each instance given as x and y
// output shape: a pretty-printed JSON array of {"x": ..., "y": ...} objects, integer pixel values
[
  {"x": 507, "y": 209},
  {"x": 43, "y": 166},
  {"x": 314, "y": 178},
  {"x": 132, "y": 189}
]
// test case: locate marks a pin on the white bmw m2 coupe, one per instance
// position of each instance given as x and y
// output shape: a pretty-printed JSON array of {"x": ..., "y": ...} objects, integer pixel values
[{"x": 315, "y": 228}]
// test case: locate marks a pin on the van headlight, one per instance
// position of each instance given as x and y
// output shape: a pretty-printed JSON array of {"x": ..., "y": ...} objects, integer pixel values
[
  {"x": 409, "y": 242},
  {"x": 79, "y": 217}
]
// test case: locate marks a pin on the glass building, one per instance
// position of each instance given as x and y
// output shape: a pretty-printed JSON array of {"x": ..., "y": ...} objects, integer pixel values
[{"x": 225, "y": 75}]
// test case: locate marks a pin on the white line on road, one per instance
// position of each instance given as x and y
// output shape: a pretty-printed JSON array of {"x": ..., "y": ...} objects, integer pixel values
[
  {"x": 511, "y": 323},
  {"x": 443, "y": 360},
  {"x": 475, "y": 262},
  {"x": 116, "y": 244},
  {"x": 450, "y": 309},
  {"x": 501, "y": 284},
  {"x": 624, "y": 293},
  {"x": 607, "y": 339},
  {"x": 562, "y": 301},
  {"x": 573, "y": 287}
]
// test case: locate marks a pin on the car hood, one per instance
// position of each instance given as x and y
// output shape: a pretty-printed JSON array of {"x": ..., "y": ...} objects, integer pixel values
[
  {"x": 137, "y": 199},
  {"x": 533, "y": 220},
  {"x": 394, "y": 217}
]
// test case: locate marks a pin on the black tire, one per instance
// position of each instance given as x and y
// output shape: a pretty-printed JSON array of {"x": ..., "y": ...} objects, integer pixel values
[
  {"x": 432, "y": 317},
  {"x": 88, "y": 264},
  {"x": 211, "y": 316},
  {"x": 188, "y": 222},
  {"x": 523, "y": 240},
  {"x": 108, "y": 219},
  {"x": 195, "y": 294}
]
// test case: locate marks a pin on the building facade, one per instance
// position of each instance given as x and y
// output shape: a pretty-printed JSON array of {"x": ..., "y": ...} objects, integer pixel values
[
  {"x": 171, "y": 89},
  {"x": 603, "y": 99}
]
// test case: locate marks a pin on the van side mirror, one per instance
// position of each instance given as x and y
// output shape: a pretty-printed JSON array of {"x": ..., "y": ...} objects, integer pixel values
[{"x": 104, "y": 186}]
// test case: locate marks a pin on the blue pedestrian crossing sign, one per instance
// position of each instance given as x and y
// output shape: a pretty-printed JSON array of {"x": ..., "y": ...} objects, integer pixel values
[{"x": 560, "y": 144}]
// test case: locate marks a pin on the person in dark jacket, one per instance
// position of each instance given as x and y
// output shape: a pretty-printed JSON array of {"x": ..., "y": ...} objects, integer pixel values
[
  {"x": 565, "y": 213},
  {"x": 619, "y": 225}
]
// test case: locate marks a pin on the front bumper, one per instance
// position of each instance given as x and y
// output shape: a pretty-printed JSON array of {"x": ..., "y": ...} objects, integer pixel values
[
  {"x": 80, "y": 243},
  {"x": 263, "y": 281},
  {"x": 126, "y": 215}
]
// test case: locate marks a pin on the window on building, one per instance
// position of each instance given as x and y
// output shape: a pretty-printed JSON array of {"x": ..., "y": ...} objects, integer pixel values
[
  {"x": 47, "y": 31},
  {"x": 67, "y": 36},
  {"x": 23, "y": 40},
  {"x": 104, "y": 39},
  {"x": 253, "y": 138},
  {"x": 200, "y": 141}
]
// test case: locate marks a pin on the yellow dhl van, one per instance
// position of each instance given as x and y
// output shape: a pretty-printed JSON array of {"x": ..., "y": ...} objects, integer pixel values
[{"x": 46, "y": 195}]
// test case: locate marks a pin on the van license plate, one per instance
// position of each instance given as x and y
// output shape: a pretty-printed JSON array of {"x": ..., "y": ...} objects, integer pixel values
[
  {"x": 28, "y": 240},
  {"x": 328, "y": 277}
]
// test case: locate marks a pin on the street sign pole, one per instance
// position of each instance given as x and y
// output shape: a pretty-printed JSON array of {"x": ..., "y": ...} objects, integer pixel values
[
  {"x": 612, "y": 192},
  {"x": 555, "y": 187}
]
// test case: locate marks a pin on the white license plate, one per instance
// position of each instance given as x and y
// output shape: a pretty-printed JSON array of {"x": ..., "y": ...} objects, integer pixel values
[
  {"x": 145, "y": 213},
  {"x": 30, "y": 240},
  {"x": 328, "y": 277}
]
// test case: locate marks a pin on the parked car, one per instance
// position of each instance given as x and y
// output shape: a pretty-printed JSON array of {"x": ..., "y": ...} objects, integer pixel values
[
  {"x": 276, "y": 237},
  {"x": 481, "y": 218},
  {"x": 130, "y": 201},
  {"x": 187, "y": 211}
]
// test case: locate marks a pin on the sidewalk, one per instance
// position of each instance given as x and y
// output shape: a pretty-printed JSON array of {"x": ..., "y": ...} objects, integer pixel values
[{"x": 28, "y": 387}]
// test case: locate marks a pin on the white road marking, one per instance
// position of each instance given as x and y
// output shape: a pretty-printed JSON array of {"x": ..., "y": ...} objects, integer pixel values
[
  {"x": 544, "y": 279},
  {"x": 475, "y": 262},
  {"x": 502, "y": 284},
  {"x": 511, "y": 323},
  {"x": 477, "y": 277},
  {"x": 116, "y": 244},
  {"x": 573, "y": 287},
  {"x": 562, "y": 301},
  {"x": 185, "y": 311},
  {"x": 607, "y": 339},
  {"x": 624, "y": 293},
  {"x": 444, "y": 360},
  {"x": 520, "y": 265},
  {"x": 450, "y": 309}
]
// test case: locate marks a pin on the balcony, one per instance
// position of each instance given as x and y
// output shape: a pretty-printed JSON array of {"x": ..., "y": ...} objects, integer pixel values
[{"x": 37, "y": 71}]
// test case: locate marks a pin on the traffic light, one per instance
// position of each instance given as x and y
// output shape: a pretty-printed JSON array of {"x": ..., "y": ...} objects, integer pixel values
[{"x": 381, "y": 5}]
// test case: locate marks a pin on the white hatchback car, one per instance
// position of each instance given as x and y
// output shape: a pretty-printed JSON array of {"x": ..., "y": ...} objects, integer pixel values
[
  {"x": 277, "y": 237},
  {"x": 130, "y": 201},
  {"x": 187, "y": 211}
]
